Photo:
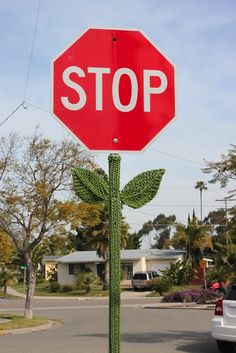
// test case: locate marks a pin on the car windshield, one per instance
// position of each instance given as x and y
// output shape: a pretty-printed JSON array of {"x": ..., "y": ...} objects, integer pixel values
[{"x": 140, "y": 276}]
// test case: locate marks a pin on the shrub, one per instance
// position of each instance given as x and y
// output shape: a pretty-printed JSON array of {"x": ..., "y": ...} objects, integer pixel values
[
  {"x": 85, "y": 280},
  {"x": 161, "y": 285},
  {"x": 66, "y": 289},
  {"x": 54, "y": 287},
  {"x": 179, "y": 273},
  {"x": 193, "y": 295}
]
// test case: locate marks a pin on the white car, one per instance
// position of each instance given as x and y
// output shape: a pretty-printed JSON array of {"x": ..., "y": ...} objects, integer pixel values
[{"x": 224, "y": 322}]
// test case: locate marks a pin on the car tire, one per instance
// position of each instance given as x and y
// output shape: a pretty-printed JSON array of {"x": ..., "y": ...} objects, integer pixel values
[{"x": 225, "y": 346}]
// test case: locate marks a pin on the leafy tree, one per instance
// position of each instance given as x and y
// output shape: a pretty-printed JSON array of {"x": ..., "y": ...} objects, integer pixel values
[
  {"x": 224, "y": 245},
  {"x": 35, "y": 179},
  {"x": 134, "y": 241},
  {"x": 223, "y": 171},
  {"x": 194, "y": 238},
  {"x": 6, "y": 249},
  {"x": 162, "y": 225}
]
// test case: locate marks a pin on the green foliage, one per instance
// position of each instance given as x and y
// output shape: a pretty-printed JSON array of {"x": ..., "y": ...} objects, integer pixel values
[
  {"x": 194, "y": 238},
  {"x": 134, "y": 241},
  {"x": 86, "y": 280},
  {"x": 6, "y": 276},
  {"x": 161, "y": 285},
  {"x": 54, "y": 287},
  {"x": 142, "y": 188},
  {"x": 179, "y": 273},
  {"x": 224, "y": 170},
  {"x": 162, "y": 224},
  {"x": 66, "y": 288},
  {"x": 6, "y": 248},
  {"x": 89, "y": 186}
]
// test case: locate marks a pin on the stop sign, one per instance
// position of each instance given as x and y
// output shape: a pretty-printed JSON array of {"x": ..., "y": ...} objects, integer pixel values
[{"x": 114, "y": 90}]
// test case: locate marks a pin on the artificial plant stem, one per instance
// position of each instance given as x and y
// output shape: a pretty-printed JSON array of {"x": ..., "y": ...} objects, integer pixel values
[{"x": 114, "y": 252}]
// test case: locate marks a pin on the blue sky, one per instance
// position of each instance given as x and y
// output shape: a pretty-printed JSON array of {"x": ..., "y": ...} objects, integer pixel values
[{"x": 197, "y": 36}]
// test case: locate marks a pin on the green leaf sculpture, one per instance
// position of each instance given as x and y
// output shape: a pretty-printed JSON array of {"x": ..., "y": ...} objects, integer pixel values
[
  {"x": 89, "y": 186},
  {"x": 142, "y": 188}
]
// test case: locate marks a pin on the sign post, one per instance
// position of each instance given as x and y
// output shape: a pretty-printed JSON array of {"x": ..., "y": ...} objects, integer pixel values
[
  {"x": 115, "y": 91},
  {"x": 114, "y": 252},
  {"x": 203, "y": 264}
]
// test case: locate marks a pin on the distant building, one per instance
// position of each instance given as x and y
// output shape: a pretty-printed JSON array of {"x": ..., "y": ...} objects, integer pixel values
[{"x": 131, "y": 261}]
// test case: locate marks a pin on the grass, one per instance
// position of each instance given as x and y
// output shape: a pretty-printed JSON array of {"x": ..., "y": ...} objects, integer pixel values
[
  {"x": 5, "y": 296},
  {"x": 41, "y": 289},
  {"x": 18, "y": 322}
]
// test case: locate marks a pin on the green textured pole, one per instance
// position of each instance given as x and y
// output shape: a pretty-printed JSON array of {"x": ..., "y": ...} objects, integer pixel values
[{"x": 114, "y": 252}]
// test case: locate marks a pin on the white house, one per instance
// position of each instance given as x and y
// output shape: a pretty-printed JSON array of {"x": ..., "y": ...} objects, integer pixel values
[{"x": 131, "y": 261}]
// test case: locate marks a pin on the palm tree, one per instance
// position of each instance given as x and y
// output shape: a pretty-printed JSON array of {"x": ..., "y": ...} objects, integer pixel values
[
  {"x": 97, "y": 238},
  {"x": 201, "y": 185}
]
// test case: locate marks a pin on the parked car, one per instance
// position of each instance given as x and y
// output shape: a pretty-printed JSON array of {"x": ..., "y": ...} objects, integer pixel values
[
  {"x": 143, "y": 280},
  {"x": 224, "y": 322}
]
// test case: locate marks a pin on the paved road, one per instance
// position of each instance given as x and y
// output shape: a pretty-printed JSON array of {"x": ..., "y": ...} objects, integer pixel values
[{"x": 85, "y": 328}]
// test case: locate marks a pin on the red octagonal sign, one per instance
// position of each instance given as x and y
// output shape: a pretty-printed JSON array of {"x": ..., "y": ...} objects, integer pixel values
[{"x": 114, "y": 90}]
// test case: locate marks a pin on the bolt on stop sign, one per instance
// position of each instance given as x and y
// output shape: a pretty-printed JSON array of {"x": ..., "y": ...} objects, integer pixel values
[{"x": 114, "y": 90}]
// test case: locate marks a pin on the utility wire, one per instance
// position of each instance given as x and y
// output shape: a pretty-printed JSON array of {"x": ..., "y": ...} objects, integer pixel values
[
  {"x": 31, "y": 51},
  {"x": 36, "y": 107},
  {"x": 178, "y": 157},
  {"x": 22, "y": 104},
  {"x": 12, "y": 113}
]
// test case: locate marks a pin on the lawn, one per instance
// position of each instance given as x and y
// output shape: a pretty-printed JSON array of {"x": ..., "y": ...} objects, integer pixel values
[
  {"x": 17, "y": 322},
  {"x": 42, "y": 289}
]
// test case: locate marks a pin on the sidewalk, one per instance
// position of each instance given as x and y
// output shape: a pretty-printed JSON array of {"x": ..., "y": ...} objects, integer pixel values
[
  {"x": 128, "y": 295},
  {"x": 12, "y": 291}
]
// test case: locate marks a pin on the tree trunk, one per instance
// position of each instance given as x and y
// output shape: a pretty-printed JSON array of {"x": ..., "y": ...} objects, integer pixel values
[{"x": 31, "y": 281}]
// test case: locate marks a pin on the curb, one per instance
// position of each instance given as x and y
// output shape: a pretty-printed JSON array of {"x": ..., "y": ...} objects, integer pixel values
[
  {"x": 49, "y": 325},
  {"x": 192, "y": 306}
]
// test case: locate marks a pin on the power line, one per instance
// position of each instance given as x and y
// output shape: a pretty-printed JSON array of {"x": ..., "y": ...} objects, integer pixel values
[
  {"x": 12, "y": 113},
  {"x": 22, "y": 104},
  {"x": 37, "y": 107},
  {"x": 32, "y": 50},
  {"x": 178, "y": 157}
]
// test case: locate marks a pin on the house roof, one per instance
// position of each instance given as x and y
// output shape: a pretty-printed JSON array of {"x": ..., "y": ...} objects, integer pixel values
[
  {"x": 125, "y": 255},
  {"x": 50, "y": 258}
]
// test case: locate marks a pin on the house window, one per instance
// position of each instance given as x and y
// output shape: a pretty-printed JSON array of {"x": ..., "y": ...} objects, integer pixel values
[
  {"x": 127, "y": 269},
  {"x": 73, "y": 268}
]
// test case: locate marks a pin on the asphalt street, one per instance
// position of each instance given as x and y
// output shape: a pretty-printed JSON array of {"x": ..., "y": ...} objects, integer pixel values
[{"x": 84, "y": 328}]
